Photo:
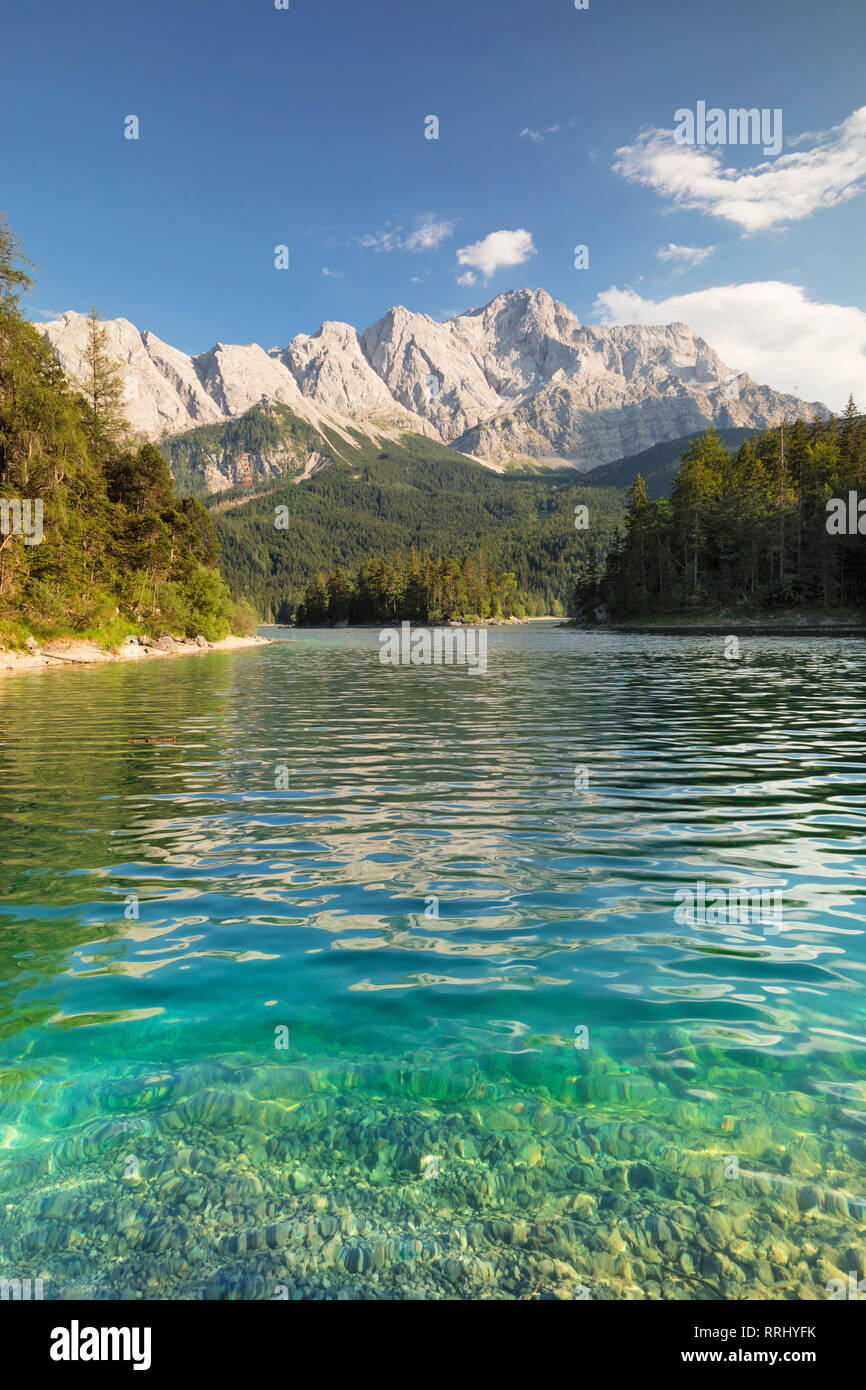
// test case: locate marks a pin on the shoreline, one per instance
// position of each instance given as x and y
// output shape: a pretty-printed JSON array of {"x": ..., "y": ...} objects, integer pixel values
[
  {"x": 65, "y": 652},
  {"x": 778, "y": 623},
  {"x": 734, "y": 629},
  {"x": 395, "y": 622}
]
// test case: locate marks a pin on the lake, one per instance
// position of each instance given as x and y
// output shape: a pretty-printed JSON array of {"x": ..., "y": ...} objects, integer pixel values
[{"x": 418, "y": 982}]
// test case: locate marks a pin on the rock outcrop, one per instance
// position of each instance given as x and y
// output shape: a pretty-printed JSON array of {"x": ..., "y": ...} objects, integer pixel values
[{"x": 519, "y": 378}]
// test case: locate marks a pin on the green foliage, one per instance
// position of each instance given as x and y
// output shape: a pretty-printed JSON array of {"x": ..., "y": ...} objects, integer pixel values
[
  {"x": 118, "y": 548},
  {"x": 201, "y": 604},
  {"x": 244, "y": 619},
  {"x": 393, "y": 496},
  {"x": 413, "y": 589},
  {"x": 748, "y": 532}
]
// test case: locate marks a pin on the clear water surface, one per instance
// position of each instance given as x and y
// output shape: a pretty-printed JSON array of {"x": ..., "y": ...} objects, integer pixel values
[{"x": 372, "y": 984}]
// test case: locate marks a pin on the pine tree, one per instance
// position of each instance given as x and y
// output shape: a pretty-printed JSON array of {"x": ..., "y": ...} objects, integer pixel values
[
  {"x": 13, "y": 278},
  {"x": 103, "y": 388},
  {"x": 850, "y": 421}
]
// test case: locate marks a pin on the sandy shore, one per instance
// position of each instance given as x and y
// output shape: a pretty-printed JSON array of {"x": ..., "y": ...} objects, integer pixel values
[{"x": 63, "y": 654}]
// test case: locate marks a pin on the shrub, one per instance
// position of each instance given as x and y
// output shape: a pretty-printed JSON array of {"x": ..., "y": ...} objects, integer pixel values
[{"x": 244, "y": 619}]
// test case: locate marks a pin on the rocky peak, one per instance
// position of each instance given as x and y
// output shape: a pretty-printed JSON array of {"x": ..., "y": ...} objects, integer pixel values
[{"x": 518, "y": 377}]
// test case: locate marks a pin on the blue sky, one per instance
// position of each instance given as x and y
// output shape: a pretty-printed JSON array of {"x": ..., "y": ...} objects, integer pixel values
[{"x": 305, "y": 127}]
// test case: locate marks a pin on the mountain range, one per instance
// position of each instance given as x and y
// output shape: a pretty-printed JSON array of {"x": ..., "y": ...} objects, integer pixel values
[{"x": 520, "y": 380}]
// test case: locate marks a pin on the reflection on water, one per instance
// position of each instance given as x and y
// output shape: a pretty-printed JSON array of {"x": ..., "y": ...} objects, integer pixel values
[{"x": 374, "y": 983}]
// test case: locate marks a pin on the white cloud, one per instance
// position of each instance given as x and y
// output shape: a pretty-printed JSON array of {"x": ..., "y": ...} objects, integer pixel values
[
  {"x": 388, "y": 240},
  {"x": 429, "y": 234},
  {"x": 430, "y": 231},
  {"x": 496, "y": 250},
  {"x": 536, "y": 136},
  {"x": 684, "y": 256},
  {"x": 468, "y": 278},
  {"x": 768, "y": 329},
  {"x": 333, "y": 274},
  {"x": 782, "y": 190}
]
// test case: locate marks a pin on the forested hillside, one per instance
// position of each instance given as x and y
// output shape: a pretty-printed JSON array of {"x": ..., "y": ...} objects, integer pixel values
[
  {"x": 776, "y": 526},
  {"x": 92, "y": 538},
  {"x": 658, "y": 466},
  {"x": 413, "y": 493},
  {"x": 273, "y": 438}
]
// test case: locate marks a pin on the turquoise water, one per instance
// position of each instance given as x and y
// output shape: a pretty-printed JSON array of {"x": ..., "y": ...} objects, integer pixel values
[{"x": 372, "y": 984}]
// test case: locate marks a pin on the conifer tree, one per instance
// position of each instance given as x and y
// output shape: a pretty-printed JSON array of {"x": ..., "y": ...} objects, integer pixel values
[{"x": 103, "y": 388}]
